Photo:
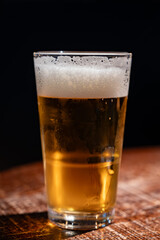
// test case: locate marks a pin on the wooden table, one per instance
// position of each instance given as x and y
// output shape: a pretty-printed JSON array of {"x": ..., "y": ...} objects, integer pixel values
[{"x": 23, "y": 203}]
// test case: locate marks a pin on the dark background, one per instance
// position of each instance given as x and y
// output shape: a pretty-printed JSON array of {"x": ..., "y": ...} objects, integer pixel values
[{"x": 28, "y": 26}]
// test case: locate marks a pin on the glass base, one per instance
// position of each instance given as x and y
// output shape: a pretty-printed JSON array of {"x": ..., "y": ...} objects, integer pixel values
[{"x": 81, "y": 221}]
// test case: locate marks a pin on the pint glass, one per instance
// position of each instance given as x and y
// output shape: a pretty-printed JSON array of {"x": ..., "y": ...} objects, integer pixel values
[{"x": 82, "y": 100}]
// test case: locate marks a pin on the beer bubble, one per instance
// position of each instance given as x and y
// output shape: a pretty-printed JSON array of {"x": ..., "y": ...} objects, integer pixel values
[{"x": 81, "y": 77}]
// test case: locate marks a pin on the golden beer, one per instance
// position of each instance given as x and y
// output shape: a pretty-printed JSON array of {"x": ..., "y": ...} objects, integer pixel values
[
  {"x": 82, "y": 105},
  {"x": 82, "y": 142}
]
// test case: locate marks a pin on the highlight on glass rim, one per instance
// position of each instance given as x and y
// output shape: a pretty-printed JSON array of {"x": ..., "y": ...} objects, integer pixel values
[{"x": 82, "y": 101}]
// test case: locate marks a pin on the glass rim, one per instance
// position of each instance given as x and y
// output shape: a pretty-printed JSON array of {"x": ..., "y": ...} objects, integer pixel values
[{"x": 82, "y": 53}]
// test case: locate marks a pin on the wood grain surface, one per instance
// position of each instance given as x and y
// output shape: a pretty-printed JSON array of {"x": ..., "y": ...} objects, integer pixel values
[{"x": 23, "y": 202}]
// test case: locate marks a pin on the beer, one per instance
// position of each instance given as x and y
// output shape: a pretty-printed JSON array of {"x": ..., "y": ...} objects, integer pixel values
[
  {"x": 82, "y": 142},
  {"x": 82, "y": 100}
]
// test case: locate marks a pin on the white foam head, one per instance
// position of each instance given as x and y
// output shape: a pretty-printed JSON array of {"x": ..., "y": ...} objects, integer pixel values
[{"x": 82, "y": 76}]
